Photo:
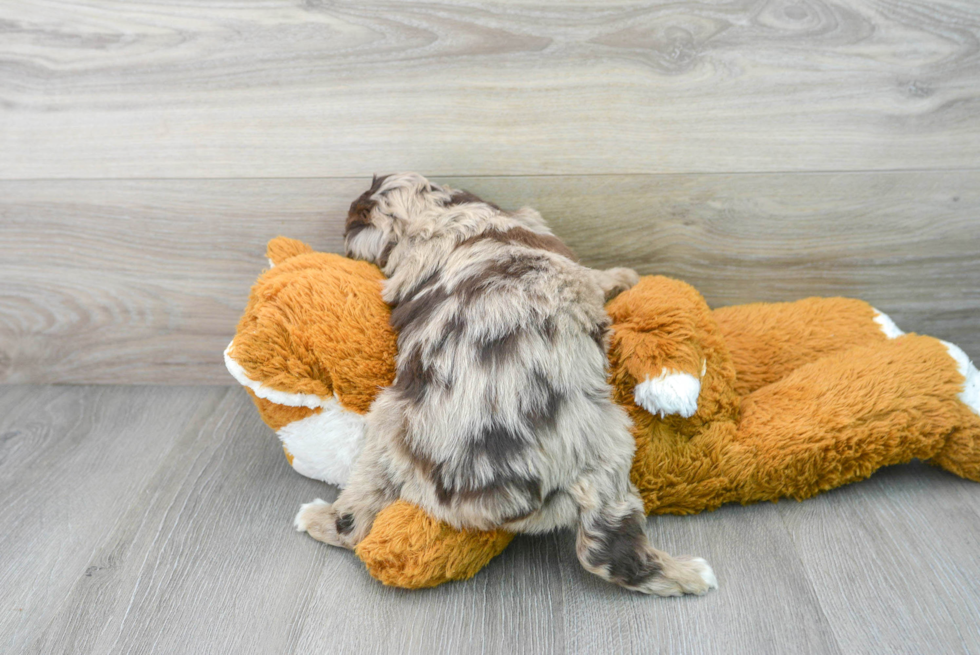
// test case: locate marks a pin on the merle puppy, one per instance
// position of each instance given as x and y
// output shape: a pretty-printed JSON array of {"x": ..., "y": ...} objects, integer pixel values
[{"x": 500, "y": 415}]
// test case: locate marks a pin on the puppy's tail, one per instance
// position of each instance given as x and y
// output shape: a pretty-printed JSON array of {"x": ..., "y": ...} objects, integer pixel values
[{"x": 612, "y": 544}]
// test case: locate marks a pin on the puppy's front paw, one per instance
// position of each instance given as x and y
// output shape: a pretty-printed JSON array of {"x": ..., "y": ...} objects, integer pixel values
[
  {"x": 321, "y": 520},
  {"x": 669, "y": 393}
]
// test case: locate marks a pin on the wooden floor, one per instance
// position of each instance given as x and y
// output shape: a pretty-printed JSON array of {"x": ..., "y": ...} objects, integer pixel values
[{"x": 158, "y": 520}]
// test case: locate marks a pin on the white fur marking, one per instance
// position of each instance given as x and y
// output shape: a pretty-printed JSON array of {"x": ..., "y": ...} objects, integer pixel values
[
  {"x": 325, "y": 445},
  {"x": 669, "y": 393},
  {"x": 302, "y": 520},
  {"x": 971, "y": 388},
  {"x": 706, "y": 573},
  {"x": 273, "y": 395},
  {"x": 887, "y": 325},
  {"x": 272, "y": 264}
]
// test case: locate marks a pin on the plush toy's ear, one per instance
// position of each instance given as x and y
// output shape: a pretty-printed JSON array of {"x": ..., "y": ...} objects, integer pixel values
[
  {"x": 408, "y": 548},
  {"x": 282, "y": 248}
]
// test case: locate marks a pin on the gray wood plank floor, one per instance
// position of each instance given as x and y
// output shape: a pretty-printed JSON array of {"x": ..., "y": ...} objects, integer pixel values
[{"x": 158, "y": 520}]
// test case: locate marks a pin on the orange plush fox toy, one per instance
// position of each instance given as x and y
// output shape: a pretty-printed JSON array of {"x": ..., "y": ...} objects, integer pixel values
[{"x": 740, "y": 404}]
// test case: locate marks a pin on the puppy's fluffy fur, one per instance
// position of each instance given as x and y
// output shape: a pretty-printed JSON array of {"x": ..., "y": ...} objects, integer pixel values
[{"x": 500, "y": 414}]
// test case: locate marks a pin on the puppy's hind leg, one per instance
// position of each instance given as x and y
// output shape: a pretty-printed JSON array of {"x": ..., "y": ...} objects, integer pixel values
[
  {"x": 349, "y": 519},
  {"x": 612, "y": 544}
]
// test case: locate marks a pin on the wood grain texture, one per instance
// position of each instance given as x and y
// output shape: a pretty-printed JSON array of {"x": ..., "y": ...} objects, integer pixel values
[
  {"x": 72, "y": 460},
  {"x": 127, "y": 531},
  {"x": 288, "y": 89},
  {"x": 893, "y": 562},
  {"x": 144, "y": 281},
  {"x": 205, "y": 559}
]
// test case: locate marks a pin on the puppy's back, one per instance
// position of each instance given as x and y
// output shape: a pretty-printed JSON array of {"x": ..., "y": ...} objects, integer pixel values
[{"x": 501, "y": 377}]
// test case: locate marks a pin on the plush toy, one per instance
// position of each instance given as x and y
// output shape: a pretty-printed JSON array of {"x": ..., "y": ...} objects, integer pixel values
[{"x": 740, "y": 404}]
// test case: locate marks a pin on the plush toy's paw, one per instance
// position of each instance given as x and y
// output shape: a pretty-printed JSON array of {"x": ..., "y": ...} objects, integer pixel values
[
  {"x": 669, "y": 393},
  {"x": 319, "y": 519}
]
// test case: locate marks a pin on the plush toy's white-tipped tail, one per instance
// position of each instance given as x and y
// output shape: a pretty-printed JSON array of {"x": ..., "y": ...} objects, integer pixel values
[{"x": 971, "y": 388}]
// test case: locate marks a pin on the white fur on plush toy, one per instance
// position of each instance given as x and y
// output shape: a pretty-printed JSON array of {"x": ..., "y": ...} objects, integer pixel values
[
  {"x": 887, "y": 325},
  {"x": 323, "y": 445},
  {"x": 971, "y": 386},
  {"x": 669, "y": 393}
]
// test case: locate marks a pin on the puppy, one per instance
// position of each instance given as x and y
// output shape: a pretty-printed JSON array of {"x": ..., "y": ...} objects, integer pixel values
[{"x": 500, "y": 415}]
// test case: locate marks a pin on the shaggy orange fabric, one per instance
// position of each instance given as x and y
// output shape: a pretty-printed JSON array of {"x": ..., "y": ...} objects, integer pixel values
[
  {"x": 796, "y": 398},
  {"x": 276, "y": 415},
  {"x": 316, "y": 324},
  {"x": 768, "y": 341},
  {"x": 408, "y": 548}
]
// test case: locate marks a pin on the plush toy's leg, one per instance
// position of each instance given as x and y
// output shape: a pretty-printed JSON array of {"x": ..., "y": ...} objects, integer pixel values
[
  {"x": 348, "y": 520},
  {"x": 409, "y": 548},
  {"x": 961, "y": 453},
  {"x": 768, "y": 341},
  {"x": 666, "y": 354},
  {"x": 839, "y": 419},
  {"x": 612, "y": 544}
]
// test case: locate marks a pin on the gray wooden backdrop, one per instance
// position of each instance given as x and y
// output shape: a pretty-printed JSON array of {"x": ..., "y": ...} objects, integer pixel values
[{"x": 761, "y": 150}]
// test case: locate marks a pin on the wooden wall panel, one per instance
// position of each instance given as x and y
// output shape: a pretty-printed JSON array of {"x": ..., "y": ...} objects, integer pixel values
[
  {"x": 143, "y": 281},
  {"x": 90, "y": 89}
]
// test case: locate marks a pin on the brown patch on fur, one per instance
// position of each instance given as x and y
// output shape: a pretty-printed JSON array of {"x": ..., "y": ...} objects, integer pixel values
[
  {"x": 463, "y": 196},
  {"x": 359, "y": 214},
  {"x": 497, "y": 350},
  {"x": 523, "y": 237},
  {"x": 529, "y": 488},
  {"x": 496, "y": 444},
  {"x": 515, "y": 267},
  {"x": 426, "y": 467},
  {"x": 598, "y": 334},
  {"x": 418, "y": 310},
  {"x": 550, "y": 329},
  {"x": 385, "y": 254},
  {"x": 413, "y": 377},
  {"x": 453, "y": 328},
  {"x": 544, "y": 412},
  {"x": 623, "y": 549},
  {"x": 345, "y": 523}
]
